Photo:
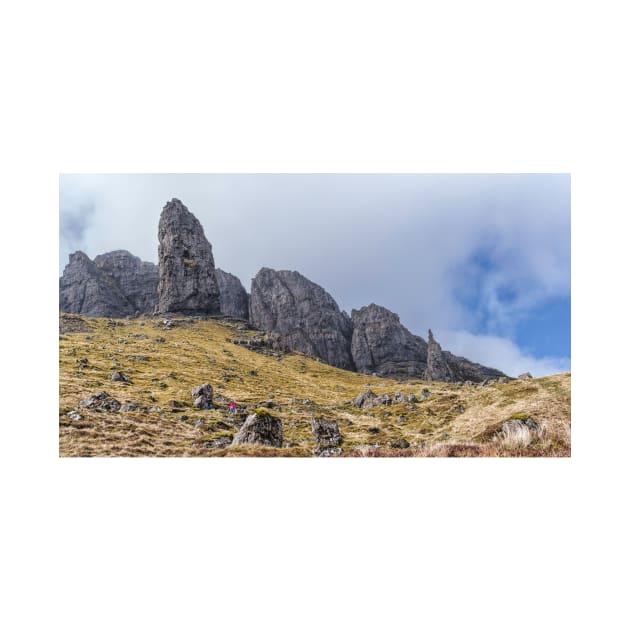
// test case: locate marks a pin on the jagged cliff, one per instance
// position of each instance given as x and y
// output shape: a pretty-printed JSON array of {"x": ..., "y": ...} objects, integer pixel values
[
  {"x": 86, "y": 289},
  {"x": 382, "y": 345},
  {"x": 303, "y": 314},
  {"x": 137, "y": 279}
]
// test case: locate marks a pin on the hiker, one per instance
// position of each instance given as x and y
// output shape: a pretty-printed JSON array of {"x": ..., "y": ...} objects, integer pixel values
[{"x": 232, "y": 407}]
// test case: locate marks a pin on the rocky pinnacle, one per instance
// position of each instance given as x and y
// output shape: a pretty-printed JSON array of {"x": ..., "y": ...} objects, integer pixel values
[{"x": 188, "y": 282}]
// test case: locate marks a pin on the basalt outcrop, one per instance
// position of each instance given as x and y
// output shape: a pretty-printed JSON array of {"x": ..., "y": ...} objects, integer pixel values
[
  {"x": 137, "y": 279},
  {"x": 445, "y": 366},
  {"x": 86, "y": 289},
  {"x": 382, "y": 345},
  {"x": 188, "y": 282},
  {"x": 233, "y": 299},
  {"x": 306, "y": 318}
]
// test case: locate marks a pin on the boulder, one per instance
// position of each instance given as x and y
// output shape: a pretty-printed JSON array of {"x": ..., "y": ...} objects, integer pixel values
[
  {"x": 400, "y": 443},
  {"x": 222, "y": 442},
  {"x": 327, "y": 436},
  {"x": 260, "y": 428},
  {"x": 525, "y": 376},
  {"x": 516, "y": 424},
  {"x": 365, "y": 400},
  {"x": 187, "y": 278},
  {"x": 202, "y": 396},
  {"x": 326, "y": 432},
  {"x": 101, "y": 401}
]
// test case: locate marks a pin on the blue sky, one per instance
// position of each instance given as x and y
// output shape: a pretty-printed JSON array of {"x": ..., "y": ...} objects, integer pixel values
[{"x": 482, "y": 259}]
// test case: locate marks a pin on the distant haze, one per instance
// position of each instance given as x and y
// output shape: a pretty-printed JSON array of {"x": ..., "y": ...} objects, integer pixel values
[{"x": 482, "y": 260}]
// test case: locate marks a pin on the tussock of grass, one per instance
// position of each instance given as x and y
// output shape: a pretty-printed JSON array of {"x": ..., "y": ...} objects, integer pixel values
[{"x": 192, "y": 352}]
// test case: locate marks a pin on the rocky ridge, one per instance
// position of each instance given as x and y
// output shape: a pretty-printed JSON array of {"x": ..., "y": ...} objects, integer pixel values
[{"x": 295, "y": 313}]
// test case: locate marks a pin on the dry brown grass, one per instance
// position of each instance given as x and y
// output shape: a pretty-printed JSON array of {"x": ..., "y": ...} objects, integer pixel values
[{"x": 194, "y": 352}]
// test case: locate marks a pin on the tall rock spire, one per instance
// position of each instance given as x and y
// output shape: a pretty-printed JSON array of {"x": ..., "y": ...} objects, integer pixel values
[
  {"x": 188, "y": 282},
  {"x": 437, "y": 367}
]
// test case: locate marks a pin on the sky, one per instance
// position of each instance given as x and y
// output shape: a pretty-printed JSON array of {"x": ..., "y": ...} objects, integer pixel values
[{"x": 484, "y": 260}]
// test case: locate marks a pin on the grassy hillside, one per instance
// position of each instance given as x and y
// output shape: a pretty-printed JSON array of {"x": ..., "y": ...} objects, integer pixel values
[{"x": 163, "y": 364}]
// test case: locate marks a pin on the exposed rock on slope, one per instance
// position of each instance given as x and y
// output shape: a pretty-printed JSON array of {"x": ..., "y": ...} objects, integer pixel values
[
  {"x": 381, "y": 344},
  {"x": 444, "y": 366},
  {"x": 138, "y": 280},
  {"x": 85, "y": 289},
  {"x": 233, "y": 298},
  {"x": 466, "y": 370},
  {"x": 306, "y": 318},
  {"x": 437, "y": 367},
  {"x": 187, "y": 282}
]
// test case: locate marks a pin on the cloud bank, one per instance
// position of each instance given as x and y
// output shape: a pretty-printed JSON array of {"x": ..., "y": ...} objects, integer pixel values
[{"x": 470, "y": 256}]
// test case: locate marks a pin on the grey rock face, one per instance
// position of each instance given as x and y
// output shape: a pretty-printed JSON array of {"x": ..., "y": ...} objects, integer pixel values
[
  {"x": 260, "y": 428},
  {"x": 115, "y": 284},
  {"x": 469, "y": 371},
  {"x": 306, "y": 318},
  {"x": 87, "y": 290},
  {"x": 437, "y": 367},
  {"x": 233, "y": 299},
  {"x": 444, "y": 366},
  {"x": 137, "y": 279},
  {"x": 382, "y": 345},
  {"x": 188, "y": 281}
]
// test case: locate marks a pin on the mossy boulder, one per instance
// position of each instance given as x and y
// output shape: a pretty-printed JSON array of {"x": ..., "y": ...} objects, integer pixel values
[{"x": 260, "y": 428}]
